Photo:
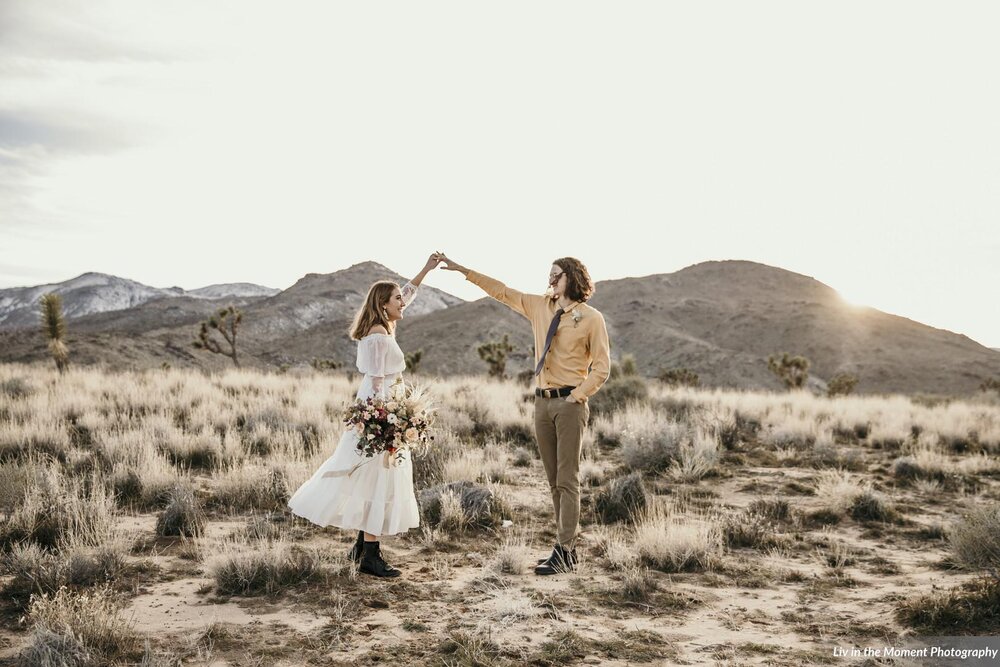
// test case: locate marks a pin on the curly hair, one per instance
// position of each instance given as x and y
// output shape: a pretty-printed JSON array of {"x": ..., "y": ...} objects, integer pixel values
[
  {"x": 371, "y": 312},
  {"x": 579, "y": 286}
]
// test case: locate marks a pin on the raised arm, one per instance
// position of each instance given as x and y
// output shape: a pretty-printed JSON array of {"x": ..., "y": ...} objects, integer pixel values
[
  {"x": 431, "y": 264},
  {"x": 409, "y": 290},
  {"x": 517, "y": 301}
]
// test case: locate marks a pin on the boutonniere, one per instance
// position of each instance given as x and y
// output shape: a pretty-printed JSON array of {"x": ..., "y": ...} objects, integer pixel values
[{"x": 576, "y": 317}]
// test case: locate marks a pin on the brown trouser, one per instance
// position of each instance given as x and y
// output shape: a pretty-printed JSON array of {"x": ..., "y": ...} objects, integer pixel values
[{"x": 559, "y": 426}]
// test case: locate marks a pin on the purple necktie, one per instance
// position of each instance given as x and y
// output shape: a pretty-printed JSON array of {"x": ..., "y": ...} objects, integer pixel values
[{"x": 548, "y": 339}]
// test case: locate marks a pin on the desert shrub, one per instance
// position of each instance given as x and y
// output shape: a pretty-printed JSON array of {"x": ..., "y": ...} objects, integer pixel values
[
  {"x": 428, "y": 467},
  {"x": 522, "y": 458},
  {"x": 972, "y": 608},
  {"x": 34, "y": 441},
  {"x": 837, "y": 490},
  {"x": 654, "y": 446},
  {"x": 52, "y": 649},
  {"x": 637, "y": 584},
  {"x": 201, "y": 452},
  {"x": 36, "y": 571},
  {"x": 679, "y": 377},
  {"x": 478, "y": 506},
  {"x": 68, "y": 627},
  {"x": 835, "y": 554},
  {"x": 737, "y": 430},
  {"x": 775, "y": 509},
  {"x": 622, "y": 499},
  {"x": 841, "y": 384},
  {"x": 127, "y": 485},
  {"x": 591, "y": 473},
  {"x": 143, "y": 483},
  {"x": 256, "y": 568},
  {"x": 990, "y": 384},
  {"x": 870, "y": 505},
  {"x": 827, "y": 455},
  {"x": 508, "y": 558},
  {"x": 56, "y": 511},
  {"x": 905, "y": 468},
  {"x": 16, "y": 388},
  {"x": 249, "y": 487},
  {"x": 183, "y": 514},
  {"x": 15, "y": 478},
  {"x": 677, "y": 544},
  {"x": 696, "y": 457},
  {"x": 261, "y": 528},
  {"x": 616, "y": 549},
  {"x": 486, "y": 464},
  {"x": 616, "y": 394},
  {"x": 748, "y": 529},
  {"x": 975, "y": 539}
]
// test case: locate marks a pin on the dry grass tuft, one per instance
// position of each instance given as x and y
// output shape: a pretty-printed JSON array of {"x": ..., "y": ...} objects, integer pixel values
[
  {"x": 673, "y": 543},
  {"x": 975, "y": 540},
  {"x": 256, "y": 567},
  {"x": 622, "y": 499},
  {"x": 182, "y": 515},
  {"x": 68, "y": 627}
]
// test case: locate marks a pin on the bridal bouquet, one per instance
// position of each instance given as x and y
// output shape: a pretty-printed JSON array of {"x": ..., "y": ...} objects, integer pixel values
[{"x": 393, "y": 425}]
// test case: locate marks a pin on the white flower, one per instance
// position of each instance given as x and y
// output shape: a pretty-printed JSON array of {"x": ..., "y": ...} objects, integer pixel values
[
  {"x": 392, "y": 419},
  {"x": 411, "y": 434},
  {"x": 371, "y": 436}
]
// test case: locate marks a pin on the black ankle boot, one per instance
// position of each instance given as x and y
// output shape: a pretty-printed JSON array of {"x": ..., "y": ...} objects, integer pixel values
[
  {"x": 561, "y": 560},
  {"x": 355, "y": 552},
  {"x": 373, "y": 563},
  {"x": 555, "y": 554}
]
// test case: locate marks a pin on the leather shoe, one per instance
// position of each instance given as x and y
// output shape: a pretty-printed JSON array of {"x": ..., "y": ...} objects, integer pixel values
[
  {"x": 562, "y": 560},
  {"x": 555, "y": 554}
]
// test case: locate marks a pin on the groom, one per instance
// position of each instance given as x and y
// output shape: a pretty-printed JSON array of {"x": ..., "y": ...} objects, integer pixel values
[{"x": 572, "y": 361}]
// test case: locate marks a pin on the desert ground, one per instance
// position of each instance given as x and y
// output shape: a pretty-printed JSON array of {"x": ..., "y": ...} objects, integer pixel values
[{"x": 145, "y": 524}]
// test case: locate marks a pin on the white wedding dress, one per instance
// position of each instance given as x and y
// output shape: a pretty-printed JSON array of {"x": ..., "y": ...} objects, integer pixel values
[{"x": 373, "y": 498}]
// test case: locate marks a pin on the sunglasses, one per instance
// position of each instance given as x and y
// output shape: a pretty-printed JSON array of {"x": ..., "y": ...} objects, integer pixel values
[{"x": 553, "y": 279}]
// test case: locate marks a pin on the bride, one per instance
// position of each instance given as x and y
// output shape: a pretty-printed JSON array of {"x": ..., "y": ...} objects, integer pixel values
[{"x": 369, "y": 498}]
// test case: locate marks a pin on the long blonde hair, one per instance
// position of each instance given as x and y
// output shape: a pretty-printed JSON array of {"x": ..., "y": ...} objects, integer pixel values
[{"x": 372, "y": 311}]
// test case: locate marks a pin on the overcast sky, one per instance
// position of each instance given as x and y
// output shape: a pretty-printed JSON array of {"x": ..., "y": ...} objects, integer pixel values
[{"x": 190, "y": 143}]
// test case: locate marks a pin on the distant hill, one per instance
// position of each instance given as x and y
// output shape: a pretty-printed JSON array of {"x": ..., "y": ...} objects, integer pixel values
[
  {"x": 723, "y": 319},
  {"x": 719, "y": 319},
  {"x": 308, "y": 320},
  {"x": 319, "y": 299},
  {"x": 92, "y": 293}
]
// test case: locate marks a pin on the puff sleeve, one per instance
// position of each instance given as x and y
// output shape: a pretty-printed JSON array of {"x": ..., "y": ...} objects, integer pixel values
[{"x": 372, "y": 350}]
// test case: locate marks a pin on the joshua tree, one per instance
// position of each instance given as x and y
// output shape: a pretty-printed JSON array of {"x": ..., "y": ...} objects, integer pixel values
[
  {"x": 793, "y": 371},
  {"x": 324, "y": 364},
  {"x": 226, "y": 322},
  {"x": 626, "y": 367},
  {"x": 495, "y": 354},
  {"x": 841, "y": 384},
  {"x": 990, "y": 384},
  {"x": 413, "y": 361},
  {"x": 680, "y": 377},
  {"x": 54, "y": 328}
]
